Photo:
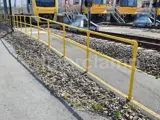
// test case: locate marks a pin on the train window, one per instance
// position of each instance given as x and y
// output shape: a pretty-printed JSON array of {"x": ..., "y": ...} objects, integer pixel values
[
  {"x": 45, "y": 3},
  {"x": 98, "y": 1},
  {"x": 128, "y": 3}
]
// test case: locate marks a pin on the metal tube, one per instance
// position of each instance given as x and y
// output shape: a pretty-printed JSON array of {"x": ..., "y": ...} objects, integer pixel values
[
  {"x": 9, "y": 20},
  {"x": 49, "y": 39},
  {"x": 31, "y": 26},
  {"x": 87, "y": 51},
  {"x": 133, "y": 70},
  {"x": 14, "y": 21},
  {"x": 25, "y": 23},
  {"x": 155, "y": 12},
  {"x": 10, "y": 9},
  {"x": 89, "y": 17},
  {"x": 38, "y": 28},
  {"x": 17, "y": 21},
  {"x": 21, "y": 22},
  {"x": 5, "y": 7},
  {"x": 64, "y": 39}
]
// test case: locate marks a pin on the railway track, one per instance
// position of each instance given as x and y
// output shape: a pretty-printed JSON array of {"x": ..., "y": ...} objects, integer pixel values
[
  {"x": 145, "y": 42},
  {"x": 127, "y": 25},
  {"x": 149, "y": 43}
]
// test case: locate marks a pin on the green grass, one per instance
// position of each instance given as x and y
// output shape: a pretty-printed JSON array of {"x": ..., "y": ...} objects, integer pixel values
[
  {"x": 97, "y": 107},
  {"x": 42, "y": 68},
  {"x": 76, "y": 103},
  {"x": 19, "y": 52},
  {"x": 118, "y": 115}
]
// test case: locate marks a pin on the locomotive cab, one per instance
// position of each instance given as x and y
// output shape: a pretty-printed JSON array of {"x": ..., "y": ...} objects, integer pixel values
[
  {"x": 43, "y": 8},
  {"x": 127, "y": 7},
  {"x": 98, "y": 7},
  {"x": 98, "y": 10}
]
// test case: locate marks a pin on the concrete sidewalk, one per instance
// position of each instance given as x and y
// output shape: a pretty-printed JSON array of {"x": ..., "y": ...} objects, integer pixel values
[
  {"x": 146, "y": 88},
  {"x": 22, "y": 97}
]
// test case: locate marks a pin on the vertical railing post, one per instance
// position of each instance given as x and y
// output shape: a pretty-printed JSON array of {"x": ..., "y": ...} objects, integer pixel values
[
  {"x": 87, "y": 51},
  {"x": 6, "y": 19},
  {"x": 133, "y": 70},
  {"x": 17, "y": 21},
  {"x": 25, "y": 23},
  {"x": 10, "y": 20},
  {"x": 64, "y": 40},
  {"x": 30, "y": 25},
  {"x": 21, "y": 22},
  {"x": 38, "y": 20},
  {"x": 49, "y": 38}
]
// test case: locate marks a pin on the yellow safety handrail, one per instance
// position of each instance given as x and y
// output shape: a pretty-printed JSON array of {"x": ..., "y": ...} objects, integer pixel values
[
  {"x": 87, "y": 47},
  {"x": 18, "y": 23}
]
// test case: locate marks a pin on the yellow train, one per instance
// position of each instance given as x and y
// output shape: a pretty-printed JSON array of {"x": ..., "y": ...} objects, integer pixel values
[
  {"x": 119, "y": 10},
  {"x": 44, "y": 8},
  {"x": 105, "y": 10}
]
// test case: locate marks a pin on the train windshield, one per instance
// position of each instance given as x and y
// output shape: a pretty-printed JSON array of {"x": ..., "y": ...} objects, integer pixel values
[
  {"x": 129, "y": 3},
  {"x": 45, "y": 3},
  {"x": 99, "y": 1}
]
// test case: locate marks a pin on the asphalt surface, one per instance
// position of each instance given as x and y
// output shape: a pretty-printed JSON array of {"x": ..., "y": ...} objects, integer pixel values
[
  {"x": 22, "y": 97},
  {"x": 146, "y": 88}
]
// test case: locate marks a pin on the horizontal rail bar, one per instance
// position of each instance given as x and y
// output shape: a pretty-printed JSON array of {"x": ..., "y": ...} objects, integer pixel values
[
  {"x": 92, "y": 32},
  {"x": 110, "y": 59}
]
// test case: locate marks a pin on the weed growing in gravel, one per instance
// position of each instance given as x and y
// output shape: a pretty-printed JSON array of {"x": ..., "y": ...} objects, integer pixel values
[
  {"x": 42, "y": 68},
  {"x": 66, "y": 96},
  {"x": 97, "y": 107},
  {"x": 19, "y": 52},
  {"x": 76, "y": 103},
  {"x": 133, "y": 107},
  {"x": 118, "y": 115}
]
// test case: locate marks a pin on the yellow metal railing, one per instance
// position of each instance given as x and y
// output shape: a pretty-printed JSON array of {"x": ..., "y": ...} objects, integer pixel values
[{"x": 18, "y": 23}]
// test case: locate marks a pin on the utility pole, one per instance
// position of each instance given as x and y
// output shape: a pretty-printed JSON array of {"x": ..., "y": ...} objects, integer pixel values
[
  {"x": 89, "y": 17},
  {"x": 155, "y": 6},
  {"x": 11, "y": 17},
  {"x": 5, "y": 7},
  {"x": 88, "y": 3}
]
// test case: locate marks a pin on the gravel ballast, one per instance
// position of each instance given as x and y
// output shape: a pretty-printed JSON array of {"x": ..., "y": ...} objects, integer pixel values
[
  {"x": 64, "y": 80},
  {"x": 147, "y": 60}
]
